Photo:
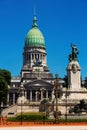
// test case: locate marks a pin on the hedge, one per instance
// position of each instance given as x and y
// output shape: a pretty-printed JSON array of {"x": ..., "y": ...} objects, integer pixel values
[{"x": 29, "y": 117}]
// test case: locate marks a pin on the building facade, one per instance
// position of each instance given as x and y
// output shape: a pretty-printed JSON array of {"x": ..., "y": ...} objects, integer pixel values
[
  {"x": 36, "y": 82},
  {"x": 35, "y": 75}
]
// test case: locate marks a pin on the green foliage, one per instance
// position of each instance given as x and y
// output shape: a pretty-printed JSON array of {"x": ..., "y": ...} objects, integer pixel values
[
  {"x": 3, "y": 89},
  {"x": 79, "y": 108},
  {"x": 74, "y": 120},
  {"x": 5, "y": 78},
  {"x": 29, "y": 117},
  {"x": 6, "y": 75},
  {"x": 17, "y": 119}
]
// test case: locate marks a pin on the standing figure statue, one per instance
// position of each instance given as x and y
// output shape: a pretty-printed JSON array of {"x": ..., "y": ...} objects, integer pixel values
[
  {"x": 73, "y": 55},
  {"x": 21, "y": 90}
]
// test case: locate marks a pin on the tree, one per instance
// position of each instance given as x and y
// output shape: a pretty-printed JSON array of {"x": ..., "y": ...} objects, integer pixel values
[
  {"x": 3, "y": 89},
  {"x": 5, "y": 77}
]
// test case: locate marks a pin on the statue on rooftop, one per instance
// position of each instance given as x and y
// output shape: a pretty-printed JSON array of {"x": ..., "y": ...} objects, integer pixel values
[{"x": 73, "y": 55}]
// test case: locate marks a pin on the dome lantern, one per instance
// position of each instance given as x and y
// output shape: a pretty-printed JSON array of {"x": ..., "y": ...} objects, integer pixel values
[{"x": 34, "y": 22}]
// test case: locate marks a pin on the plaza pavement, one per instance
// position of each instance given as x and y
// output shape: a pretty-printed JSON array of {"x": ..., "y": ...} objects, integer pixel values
[{"x": 45, "y": 128}]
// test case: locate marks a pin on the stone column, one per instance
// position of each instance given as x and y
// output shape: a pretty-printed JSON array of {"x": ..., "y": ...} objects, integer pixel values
[
  {"x": 28, "y": 58},
  {"x": 31, "y": 60},
  {"x": 13, "y": 98},
  {"x": 34, "y": 57},
  {"x": 26, "y": 94},
  {"x": 41, "y": 94},
  {"x": 30, "y": 95},
  {"x": 36, "y": 95},
  {"x": 31, "y": 56},
  {"x": 8, "y": 99},
  {"x": 46, "y": 93},
  {"x": 53, "y": 94},
  {"x": 40, "y": 57}
]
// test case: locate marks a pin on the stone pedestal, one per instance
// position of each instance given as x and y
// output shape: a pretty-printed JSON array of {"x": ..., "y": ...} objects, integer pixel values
[
  {"x": 22, "y": 100},
  {"x": 73, "y": 73},
  {"x": 22, "y": 105}
]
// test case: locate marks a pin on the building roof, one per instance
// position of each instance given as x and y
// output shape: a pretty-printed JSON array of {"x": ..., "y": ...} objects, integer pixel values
[{"x": 34, "y": 37}]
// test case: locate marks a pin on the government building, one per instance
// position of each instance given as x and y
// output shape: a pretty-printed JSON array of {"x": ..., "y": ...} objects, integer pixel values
[
  {"x": 35, "y": 87},
  {"x": 35, "y": 75}
]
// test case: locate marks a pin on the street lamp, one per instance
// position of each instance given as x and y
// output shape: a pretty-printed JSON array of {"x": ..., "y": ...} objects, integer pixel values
[
  {"x": 66, "y": 106},
  {"x": 21, "y": 112},
  {"x": 1, "y": 108},
  {"x": 56, "y": 97},
  {"x": 0, "y": 114}
]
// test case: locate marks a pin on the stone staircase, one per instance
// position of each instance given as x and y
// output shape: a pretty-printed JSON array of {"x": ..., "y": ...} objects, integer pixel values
[
  {"x": 16, "y": 109},
  {"x": 10, "y": 111}
]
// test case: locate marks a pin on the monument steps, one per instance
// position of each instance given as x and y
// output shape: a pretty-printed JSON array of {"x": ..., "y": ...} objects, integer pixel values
[{"x": 10, "y": 111}]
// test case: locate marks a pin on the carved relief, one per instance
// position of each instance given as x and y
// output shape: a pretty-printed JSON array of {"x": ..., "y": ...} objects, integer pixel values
[{"x": 74, "y": 68}]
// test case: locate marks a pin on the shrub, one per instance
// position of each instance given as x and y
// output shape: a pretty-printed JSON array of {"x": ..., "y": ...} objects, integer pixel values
[{"x": 29, "y": 117}]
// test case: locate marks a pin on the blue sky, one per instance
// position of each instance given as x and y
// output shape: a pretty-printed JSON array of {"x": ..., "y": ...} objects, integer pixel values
[{"x": 62, "y": 22}]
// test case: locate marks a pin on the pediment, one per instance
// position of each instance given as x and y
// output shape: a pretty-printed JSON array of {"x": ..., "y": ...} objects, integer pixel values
[{"x": 38, "y": 83}]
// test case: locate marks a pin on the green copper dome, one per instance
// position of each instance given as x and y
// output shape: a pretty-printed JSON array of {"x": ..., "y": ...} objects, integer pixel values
[{"x": 34, "y": 37}]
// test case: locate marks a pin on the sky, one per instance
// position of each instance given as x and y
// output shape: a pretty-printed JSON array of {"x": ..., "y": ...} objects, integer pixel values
[{"x": 62, "y": 22}]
